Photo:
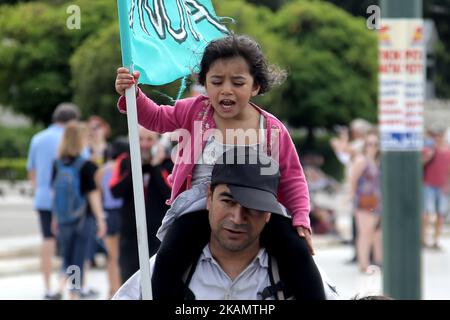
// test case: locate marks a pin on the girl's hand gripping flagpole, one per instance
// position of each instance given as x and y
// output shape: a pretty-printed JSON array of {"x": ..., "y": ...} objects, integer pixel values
[{"x": 135, "y": 153}]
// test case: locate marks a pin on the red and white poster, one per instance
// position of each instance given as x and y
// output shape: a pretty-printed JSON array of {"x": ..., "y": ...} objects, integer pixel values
[{"x": 402, "y": 84}]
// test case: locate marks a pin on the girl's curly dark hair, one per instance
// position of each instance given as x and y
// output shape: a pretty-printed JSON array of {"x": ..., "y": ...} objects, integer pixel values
[{"x": 265, "y": 75}]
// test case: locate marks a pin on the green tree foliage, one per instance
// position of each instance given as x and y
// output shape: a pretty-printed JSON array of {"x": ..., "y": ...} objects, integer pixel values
[
  {"x": 272, "y": 4},
  {"x": 93, "y": 68},
  {"x": 355, "y": 7},
  {"x": 332, "y": 61},
  {"x": 22, "y": 1},
  {"x": 14, "y": 1},
  {"x": 436, "y": 10},
  {"x": 35, "y": 49},
  {"x": 330, "y": 56},
  {"x": 14, "y": 142},
  {"x": 33, "y": 63},
  {"x": 439, "y": 12}
]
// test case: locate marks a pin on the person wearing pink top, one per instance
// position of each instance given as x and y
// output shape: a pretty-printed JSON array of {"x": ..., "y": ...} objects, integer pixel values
[
  {"x": 436, "y": 157},
  {"x": 232, "y": 70}
]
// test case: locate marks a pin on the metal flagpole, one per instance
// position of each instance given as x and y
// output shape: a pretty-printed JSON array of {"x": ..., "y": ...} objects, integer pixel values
[{"x": 135, "y": 153}]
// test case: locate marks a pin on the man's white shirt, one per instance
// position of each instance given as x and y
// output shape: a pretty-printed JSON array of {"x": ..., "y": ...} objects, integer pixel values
[{"x": 210, "y": 282}]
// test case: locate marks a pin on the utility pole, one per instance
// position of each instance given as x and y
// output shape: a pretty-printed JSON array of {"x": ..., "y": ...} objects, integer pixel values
[{"x": 401, "y": 96}]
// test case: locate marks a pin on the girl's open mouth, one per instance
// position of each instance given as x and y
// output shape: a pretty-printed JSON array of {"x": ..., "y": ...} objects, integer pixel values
[{"x": 227, "y": 103}]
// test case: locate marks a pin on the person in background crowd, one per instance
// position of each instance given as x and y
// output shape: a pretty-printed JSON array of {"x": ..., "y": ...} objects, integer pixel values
[
  {"x": 156, "y": 192},
  {"x": 99, "y": 131},
  {"x": 42, "y": 153},
  {"x": 436, "y": 158},
  {"x": 347, "y": 146},
  {"x": 365, "y": 187},
  {"x": 112, "y": 207}
]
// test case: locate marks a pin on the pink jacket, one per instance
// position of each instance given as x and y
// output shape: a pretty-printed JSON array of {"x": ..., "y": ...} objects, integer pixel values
[{"x": 194, "y": 117}]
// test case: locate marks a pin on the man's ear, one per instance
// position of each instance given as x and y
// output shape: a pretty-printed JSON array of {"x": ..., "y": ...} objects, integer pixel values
[
  {"x": 209, "y": 198},
  {"x": 268, "y": 217}
]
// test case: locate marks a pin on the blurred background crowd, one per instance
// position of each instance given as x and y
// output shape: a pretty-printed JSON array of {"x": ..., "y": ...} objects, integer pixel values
[{"x": 329, "y": 104}]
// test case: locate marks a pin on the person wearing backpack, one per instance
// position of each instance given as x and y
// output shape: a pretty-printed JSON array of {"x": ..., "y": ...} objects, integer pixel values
[
  {"x": 42, "y": 152},
  {"x": 75, "y": 200},
  {"x": 234, "y": 265}
]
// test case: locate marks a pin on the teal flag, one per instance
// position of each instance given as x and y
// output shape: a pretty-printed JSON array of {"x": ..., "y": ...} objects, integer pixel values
[{"x": 165, "y": 39}]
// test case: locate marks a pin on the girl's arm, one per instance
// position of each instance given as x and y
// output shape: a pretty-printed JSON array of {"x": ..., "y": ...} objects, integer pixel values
[
  {"x": 154, "y": 117},
  {"x": 293, "y": 190}
]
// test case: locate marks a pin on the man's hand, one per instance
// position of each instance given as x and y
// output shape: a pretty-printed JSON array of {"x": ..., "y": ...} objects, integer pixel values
[{"x": 304, "y": 233}]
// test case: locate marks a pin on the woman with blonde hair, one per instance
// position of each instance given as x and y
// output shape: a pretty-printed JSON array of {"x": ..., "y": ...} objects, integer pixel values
[
  {"x": 76, "y": 201},
  {"x": 365, "y": 188}
]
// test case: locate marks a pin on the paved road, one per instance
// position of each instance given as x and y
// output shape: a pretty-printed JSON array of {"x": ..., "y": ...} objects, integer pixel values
[
  {"x": 29, "y": 286},
  {"x": 436, "y": 280},
  {"x": 17, "y": 218},
  {"x": 350, "y": 282}
]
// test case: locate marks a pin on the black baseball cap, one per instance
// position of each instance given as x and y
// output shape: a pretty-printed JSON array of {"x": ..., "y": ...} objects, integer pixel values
[{"x": 251, "y": 176}]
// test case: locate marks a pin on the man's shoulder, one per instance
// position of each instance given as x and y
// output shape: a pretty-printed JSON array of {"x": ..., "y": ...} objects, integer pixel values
[
  {"x": 39, "y": 135},
  {"x": 49, "y": 133},
  {"x": 131, "y": 289}
]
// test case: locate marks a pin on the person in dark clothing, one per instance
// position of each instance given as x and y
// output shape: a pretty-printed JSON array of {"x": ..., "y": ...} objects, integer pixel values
[
  {"x": 112, "y": 207},
  {"x": 156, "y": 192}
]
